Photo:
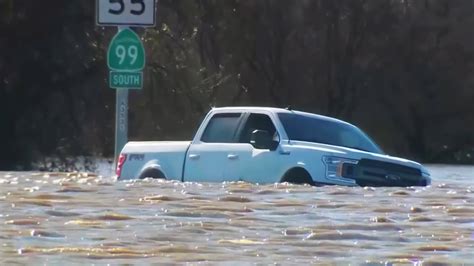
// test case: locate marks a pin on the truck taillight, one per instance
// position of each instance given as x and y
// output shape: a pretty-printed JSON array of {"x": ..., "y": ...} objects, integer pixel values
[{"x": 121, "y": 160}]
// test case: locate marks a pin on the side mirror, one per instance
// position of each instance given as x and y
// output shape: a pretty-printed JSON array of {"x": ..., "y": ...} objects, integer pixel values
[{"x": 261, "y": 139}]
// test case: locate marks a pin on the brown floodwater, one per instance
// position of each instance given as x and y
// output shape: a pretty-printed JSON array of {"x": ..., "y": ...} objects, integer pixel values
[{"x": 54, "y": 218}]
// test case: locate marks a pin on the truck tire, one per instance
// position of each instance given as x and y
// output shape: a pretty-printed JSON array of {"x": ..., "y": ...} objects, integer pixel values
[
  {"x": 298, "y": 176},
  {"x": 152, "y": 173}
]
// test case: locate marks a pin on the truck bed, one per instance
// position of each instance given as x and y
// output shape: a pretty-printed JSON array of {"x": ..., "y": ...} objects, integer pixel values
[{"x": 166, "y": 156}]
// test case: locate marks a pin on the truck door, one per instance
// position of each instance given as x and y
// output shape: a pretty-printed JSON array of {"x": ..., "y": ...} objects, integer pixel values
[
  {"x": 250, "y": 164},
  {"x": 207, "y": 158}
]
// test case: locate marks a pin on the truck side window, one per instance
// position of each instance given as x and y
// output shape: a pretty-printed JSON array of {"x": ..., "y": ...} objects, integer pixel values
[
  {"x": 221, "y": 128},
  {"x": 256, "y": 121}
]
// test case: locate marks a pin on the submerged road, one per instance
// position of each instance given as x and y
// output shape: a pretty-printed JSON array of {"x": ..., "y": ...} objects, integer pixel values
[{"x": 77, "y": 218}]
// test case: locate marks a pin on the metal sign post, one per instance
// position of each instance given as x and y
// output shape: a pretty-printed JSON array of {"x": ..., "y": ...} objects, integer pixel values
[
  {"x": 126, "y": 54},
  {"x": 121, "y": 120},
  {"x": 126, "y": 60}
]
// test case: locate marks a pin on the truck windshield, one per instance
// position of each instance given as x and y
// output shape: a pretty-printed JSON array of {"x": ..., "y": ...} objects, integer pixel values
[{"x": 322, "y": 130}]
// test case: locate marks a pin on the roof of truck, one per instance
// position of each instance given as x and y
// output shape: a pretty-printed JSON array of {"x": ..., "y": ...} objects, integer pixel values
[{"x": 239, "y": 108}]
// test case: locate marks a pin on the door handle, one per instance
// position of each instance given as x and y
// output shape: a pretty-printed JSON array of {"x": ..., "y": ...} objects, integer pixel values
[
  {"x": 232, "y": 156},
  {"x": 194, "y": 156}
]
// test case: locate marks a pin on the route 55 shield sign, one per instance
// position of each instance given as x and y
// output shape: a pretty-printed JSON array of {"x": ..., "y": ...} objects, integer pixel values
[{"x": 140, "y": 13}]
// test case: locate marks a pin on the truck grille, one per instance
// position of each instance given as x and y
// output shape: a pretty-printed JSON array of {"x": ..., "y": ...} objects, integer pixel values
[{"x": 377, "y": 173}]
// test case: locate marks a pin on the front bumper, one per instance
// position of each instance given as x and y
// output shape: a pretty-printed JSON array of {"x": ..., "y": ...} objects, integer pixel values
[{"x": 376, "y": 173}]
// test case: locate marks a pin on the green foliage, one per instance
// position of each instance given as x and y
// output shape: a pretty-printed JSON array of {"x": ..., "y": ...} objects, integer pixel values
[{"x": 400, "y": 69}]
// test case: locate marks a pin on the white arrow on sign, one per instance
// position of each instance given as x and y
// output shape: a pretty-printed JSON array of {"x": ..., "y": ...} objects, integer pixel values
[{"x": 126, "y": 12}]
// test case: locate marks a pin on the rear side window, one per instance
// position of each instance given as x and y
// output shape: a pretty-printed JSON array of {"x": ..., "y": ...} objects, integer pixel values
[{"x": 221, "y": 128}]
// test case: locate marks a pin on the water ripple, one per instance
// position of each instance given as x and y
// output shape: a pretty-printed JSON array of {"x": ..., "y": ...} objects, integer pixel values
[{"x": 49, "y": 218}]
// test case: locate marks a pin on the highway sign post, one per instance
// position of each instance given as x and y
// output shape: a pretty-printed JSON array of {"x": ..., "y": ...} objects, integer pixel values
[{"x": 126, "y": 54}]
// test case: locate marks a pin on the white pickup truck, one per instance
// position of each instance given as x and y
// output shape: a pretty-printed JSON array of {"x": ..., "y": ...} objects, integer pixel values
[{"x": 268, "y": 145}]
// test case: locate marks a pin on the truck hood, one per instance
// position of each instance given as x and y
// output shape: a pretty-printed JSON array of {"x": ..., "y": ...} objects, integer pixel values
[{"x": 351, "y": 153}]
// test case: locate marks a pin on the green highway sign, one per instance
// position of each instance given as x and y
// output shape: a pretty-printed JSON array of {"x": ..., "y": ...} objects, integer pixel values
[
  {"x": 126, "y": 60},
  {"x": 126, "y": 52},
  {"x": 126, "y": 80}
]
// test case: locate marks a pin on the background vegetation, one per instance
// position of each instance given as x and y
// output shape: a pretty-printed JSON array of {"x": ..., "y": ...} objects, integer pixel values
[{"x": 400, "y": 69}]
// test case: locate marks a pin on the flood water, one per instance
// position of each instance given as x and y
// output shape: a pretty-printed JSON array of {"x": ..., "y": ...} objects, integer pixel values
[{"x": 87, "y": 219}]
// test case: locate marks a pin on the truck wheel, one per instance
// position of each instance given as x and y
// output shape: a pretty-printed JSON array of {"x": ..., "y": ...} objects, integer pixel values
[
  {"x": 298, "y": 176},
  {"x": 152, "y": 173}
]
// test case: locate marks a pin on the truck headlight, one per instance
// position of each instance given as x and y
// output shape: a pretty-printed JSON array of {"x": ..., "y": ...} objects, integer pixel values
[{"x": 339, "y": 168}]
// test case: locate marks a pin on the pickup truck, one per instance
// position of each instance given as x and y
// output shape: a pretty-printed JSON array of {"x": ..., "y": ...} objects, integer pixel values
[{"x": 268, "y": 145}]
